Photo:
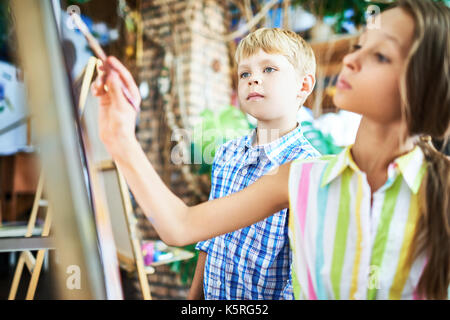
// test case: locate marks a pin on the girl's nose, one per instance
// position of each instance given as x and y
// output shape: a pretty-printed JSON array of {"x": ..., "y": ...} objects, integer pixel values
[{"x": 351, "y": 61}]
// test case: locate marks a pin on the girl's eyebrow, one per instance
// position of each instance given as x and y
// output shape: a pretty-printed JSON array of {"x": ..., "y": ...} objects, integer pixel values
[
  {"x": 392, "y": 38},
  {"x": 395, "y": 42},
  {"x": 386, "y": 35}
]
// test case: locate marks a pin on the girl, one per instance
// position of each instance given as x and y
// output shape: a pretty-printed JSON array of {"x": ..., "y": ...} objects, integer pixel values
[{"x": 372, "y": 222}]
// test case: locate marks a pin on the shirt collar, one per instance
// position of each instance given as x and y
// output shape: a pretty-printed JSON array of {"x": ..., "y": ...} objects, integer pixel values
[
  {"x": 276, "y": 150},
  {"x": 337, "y": 165},
  {"x": 411, "y": 165}
]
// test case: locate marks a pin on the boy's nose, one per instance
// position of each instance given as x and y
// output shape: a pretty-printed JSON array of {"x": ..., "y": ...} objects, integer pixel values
[{"x": 254, "y": 81}]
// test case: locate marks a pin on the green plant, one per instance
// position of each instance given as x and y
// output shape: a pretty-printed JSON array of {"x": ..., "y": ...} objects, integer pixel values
[
  {"x": 216, "y": 128},
  {"x": 186, "y": 268},
  {"x": 337, "y": 9}
]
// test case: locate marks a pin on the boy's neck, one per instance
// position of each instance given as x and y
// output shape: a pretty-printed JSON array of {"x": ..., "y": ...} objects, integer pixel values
[{"x": 268, "y": 131}]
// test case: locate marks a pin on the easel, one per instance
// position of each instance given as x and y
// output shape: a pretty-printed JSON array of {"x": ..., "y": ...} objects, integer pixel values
[
  {"x": 115, "y": 184},
  {"x": 81, "y": 224},
  {"x": 34, "y": 264},
  {"x": 138, "y": 265},
  {"x": 124, "y": 223},
  {"x": 105, "y": 167}
]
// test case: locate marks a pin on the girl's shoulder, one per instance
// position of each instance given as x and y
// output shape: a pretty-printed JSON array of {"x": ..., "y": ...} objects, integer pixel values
[
  {"x": 317, "y": 160},
  {"x": 311, "y": 170}
]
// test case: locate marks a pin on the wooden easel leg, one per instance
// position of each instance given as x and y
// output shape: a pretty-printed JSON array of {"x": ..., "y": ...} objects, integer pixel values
[
  {"x": 35, "y": 209},
  {"x": 34, "y": 268},
  {"x": 16, "y": 279},
  {"x": 135, "y": 243},
  {"x": 143, "y": 280},
  {"x": 35, "y": 275},
  {"x": 39, "y": 260}
]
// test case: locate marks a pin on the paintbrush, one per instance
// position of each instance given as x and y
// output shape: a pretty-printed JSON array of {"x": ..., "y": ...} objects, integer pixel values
[{"x": 98, "y": 51}]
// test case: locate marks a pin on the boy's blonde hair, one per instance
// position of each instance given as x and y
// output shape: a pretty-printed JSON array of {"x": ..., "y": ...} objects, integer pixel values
[{"x": 279, "y": 41}]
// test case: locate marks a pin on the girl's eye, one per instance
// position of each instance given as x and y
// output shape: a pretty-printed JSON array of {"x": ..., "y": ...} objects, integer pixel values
[
  {"x": 244, "y": 75},
  {"x": 356, "y": 47},
  {"x": 381, "y": 58},
  {"x": 269, "y": 70}
]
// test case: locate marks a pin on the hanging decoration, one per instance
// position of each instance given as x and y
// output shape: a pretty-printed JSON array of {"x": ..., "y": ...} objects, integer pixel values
[{"x": 133, "y": 25}]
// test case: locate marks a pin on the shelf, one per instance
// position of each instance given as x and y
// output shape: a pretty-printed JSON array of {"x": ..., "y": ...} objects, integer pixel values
[
  {"x": 18, "y": 231},
  {"x": 178, "y": 255}
]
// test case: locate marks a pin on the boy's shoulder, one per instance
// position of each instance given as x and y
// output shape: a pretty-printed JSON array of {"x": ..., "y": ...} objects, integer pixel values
[
  {"x": 298, "y": 147},
  {"x": 304, "y": 147},
  {"x": 291, "y": 147}
]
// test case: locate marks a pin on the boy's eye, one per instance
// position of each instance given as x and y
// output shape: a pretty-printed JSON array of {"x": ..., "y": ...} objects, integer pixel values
[
  {"x": 269, "y": 69},
  {"x": 244, "y": 75}
]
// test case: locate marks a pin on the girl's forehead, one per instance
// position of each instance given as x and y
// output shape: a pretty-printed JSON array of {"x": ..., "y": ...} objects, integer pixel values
[{"x": 396, "y": 26}]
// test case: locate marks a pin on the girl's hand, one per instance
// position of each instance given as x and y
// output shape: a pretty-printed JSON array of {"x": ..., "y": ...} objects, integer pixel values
[{"x": 117, "y": 117}]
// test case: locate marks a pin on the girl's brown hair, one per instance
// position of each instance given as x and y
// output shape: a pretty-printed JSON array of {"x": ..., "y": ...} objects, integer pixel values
[{"x": 426, "y": 96}]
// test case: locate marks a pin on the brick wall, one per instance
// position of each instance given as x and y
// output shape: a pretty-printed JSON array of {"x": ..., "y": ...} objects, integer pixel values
[{"x": 201, "y": 79}]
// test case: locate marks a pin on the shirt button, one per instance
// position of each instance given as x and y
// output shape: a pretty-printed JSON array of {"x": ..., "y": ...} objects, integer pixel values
[{"x": 244, "y": 172}]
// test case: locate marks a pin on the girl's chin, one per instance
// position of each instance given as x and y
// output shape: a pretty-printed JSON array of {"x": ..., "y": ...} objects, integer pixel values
[{"x": 340, "y": 102}]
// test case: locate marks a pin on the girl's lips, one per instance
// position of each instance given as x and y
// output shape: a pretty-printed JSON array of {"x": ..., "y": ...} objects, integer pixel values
[{"x": 342, "y": 84}]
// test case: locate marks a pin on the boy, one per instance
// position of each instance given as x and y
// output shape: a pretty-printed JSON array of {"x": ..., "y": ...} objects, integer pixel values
[{"x": 276, "y": 74}]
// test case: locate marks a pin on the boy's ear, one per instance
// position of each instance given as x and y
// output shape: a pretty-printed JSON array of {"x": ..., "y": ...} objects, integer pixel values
[{"x": 307, "y": 86}]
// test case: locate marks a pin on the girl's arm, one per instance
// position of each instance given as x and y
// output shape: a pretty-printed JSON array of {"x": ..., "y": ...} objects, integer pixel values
[{"x": 176, "y": 223}]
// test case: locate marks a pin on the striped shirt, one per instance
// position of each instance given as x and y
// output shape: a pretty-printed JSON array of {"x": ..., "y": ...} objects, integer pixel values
[
  {"x": 343, "y": 246},
  {"x": 253, "y": 262}
]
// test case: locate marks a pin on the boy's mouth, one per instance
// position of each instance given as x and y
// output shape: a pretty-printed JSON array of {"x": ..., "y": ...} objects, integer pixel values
[{"x": 254, "y": 96}]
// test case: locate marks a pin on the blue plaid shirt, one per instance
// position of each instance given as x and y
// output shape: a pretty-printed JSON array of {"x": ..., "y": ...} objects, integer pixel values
[{"x": 253, "y": 262}]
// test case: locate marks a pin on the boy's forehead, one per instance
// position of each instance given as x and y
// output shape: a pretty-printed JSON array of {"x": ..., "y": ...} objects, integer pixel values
[{"x": 261, "y": 56}]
